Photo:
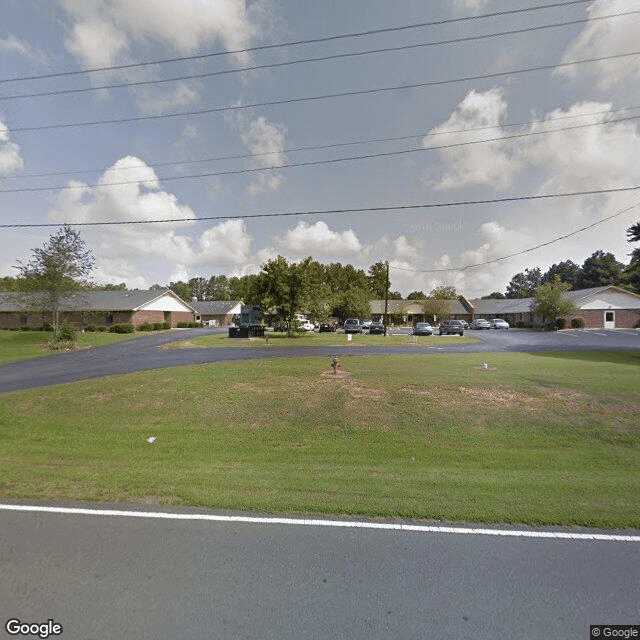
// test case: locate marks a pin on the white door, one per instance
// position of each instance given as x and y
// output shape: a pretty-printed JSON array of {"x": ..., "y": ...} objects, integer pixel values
[{"x": 609, "y": 319}]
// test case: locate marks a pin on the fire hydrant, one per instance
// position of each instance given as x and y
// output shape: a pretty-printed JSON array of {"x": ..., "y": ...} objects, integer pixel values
[{"x": 335, "y": 363}]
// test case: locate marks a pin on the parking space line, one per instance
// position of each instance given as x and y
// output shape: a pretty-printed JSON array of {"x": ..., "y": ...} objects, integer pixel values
[{"x": 347, "y": 524}]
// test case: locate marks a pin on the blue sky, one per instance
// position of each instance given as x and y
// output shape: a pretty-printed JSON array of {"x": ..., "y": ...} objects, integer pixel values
[{"x": 425, "y": 246}]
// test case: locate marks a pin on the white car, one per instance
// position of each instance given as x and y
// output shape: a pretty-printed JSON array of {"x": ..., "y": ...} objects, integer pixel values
[{"x": 499, "y": 323}]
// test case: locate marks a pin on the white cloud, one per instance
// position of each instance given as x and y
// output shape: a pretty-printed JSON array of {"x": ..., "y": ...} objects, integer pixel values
[
  {"x": 104, "y": 30},
  {"x": 602, "y": 156},
  {"x": 11, "y": 44},
  {"x": 469, "y": 6},
  {"x": 266, "y": 141},
  {"x": 477, "y": 118},
  {"x": 126, "y": 252},
  {"x": 10, "y": 158},
  {"x": 309, "y": 239},
  {"x": 601, "y": 38},
  {"x": 159, "y": 101}
]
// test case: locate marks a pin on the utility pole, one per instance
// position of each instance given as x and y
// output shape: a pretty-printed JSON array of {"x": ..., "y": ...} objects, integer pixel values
[{"x": 386, "y": 298}]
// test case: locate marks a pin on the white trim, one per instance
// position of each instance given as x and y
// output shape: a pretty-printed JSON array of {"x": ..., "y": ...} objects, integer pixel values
[{"x": 347, "y": 524}]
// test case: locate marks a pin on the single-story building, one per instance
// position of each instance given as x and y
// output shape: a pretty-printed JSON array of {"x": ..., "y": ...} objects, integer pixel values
[
  {"x": 412, "y": 311},
  {"x": 607, "y": 307},
  {"x": 99, "y": 308},
  {"x": 218, "y": 312}
]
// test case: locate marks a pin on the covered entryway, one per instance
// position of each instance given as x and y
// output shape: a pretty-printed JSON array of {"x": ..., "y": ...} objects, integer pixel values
[{"x": 609, "y": 319}]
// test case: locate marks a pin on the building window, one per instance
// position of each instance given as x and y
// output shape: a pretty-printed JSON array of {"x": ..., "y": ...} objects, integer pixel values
[
  {"x": 108, "y": 318},
  {"x": 24, "y": 319}
]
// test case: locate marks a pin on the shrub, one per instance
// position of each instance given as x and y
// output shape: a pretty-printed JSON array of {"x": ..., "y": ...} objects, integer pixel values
[
  {"x": 578, "y": 323},
  {"x": 158, "y": 326},
  {"x": 121, "y": 328},
  {"x": 182, "y": 325},
  {"x": 145, "y": 326},
  {"x": 90, "y": 328},
  {"x": 25, "y": 327},
  {"x": 166, "y": 325},
  {"x": 521, "y": 325},
  {"x": 67, "y": 333},
  {"x": 561, "y": 323},
  {"x": 101, "y": 328}
]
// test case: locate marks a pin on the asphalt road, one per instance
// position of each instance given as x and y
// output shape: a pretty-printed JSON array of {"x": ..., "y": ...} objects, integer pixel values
[
  {"x": 115, "y": 577},
  {"x": 147, "y": 353}
]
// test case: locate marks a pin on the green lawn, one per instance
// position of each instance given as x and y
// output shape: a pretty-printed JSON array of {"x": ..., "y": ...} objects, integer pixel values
[
  {"x": 273, "y": 339},
  {"x": 540, "y": 439},
  {"x": 21, "y": 345}
]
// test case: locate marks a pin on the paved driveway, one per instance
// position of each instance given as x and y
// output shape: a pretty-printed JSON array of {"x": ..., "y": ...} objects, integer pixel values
[{"x": 147, "y": 353}]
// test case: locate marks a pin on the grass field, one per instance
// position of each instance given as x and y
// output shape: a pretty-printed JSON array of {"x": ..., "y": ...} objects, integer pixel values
[
  {"x": 534, "y": 438},
  {"x": 316, "y": 340},
  {"x": 21, "y": 345}
]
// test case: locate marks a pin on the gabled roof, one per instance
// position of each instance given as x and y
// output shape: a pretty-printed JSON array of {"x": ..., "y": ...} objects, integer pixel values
[
  {"x": 490, "y": 306},
  {"x": 413, "y": 306},
  {"x": 585, "y": 293},
  {"x": 215, "y": 307},
  {"x": 121, "y": 300}
]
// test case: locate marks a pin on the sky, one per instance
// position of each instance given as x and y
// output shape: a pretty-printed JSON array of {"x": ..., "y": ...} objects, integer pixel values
[{"x": 422, "y": 136}]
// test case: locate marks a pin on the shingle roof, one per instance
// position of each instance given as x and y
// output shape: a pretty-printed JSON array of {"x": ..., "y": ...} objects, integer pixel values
[
  {"x": 121, "y": 300},
  {"x": 215, "y": 307},
  {"x": 413, "y": 306}
]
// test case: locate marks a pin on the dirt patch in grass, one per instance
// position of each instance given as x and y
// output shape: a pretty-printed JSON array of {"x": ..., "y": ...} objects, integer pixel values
[
  {"x": 498, "y": 397},
  {"x": 338, "y": 375}
]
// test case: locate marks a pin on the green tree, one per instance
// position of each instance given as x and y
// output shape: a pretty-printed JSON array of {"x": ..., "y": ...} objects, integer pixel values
[
  {"x": 444, "y": 293},
  {"x": 56, "y": 271},
  {"x": 600, "y": 269},
  {"x": 524, "y": 284},
  {"x": 568, "y": 271},
  {"x": 416, "y": 295},
  {"x": 435, "y": 309},
  {"x": 349, "y": 291},
  {"x": 181, "y": 289},
  {"x": 377, "y": 279},
  {"x": 285, "y": 288},
  {"x": 494, "y": 295},
  {"x": 631, "y": 273},
  {"x": 634, "y": 232},
  {"x": 549, "y": 301}
]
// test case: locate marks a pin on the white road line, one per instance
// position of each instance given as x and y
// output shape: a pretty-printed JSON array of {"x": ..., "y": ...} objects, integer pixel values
[{"x": 511, "y": 533}]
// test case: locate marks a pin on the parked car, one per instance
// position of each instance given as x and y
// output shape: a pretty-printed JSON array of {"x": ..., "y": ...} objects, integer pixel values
[
  {"x": 451, "y": 327},
  {"x": 376, "y": 327},
  {"x": 423, "y": 329},
  {"x": 480, "y": 323},
  {"x": 366, "y": 324},
  {"x": 325, "y": 327},
  {"x": 499, "y": 323},
  {"x": 306, "y": 325},
  {"x": 352, "y": 325},
  {"x": 465, "y": 324}
]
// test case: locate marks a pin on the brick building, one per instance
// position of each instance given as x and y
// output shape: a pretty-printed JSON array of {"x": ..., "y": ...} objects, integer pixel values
[{"x": 99, "y": 308}]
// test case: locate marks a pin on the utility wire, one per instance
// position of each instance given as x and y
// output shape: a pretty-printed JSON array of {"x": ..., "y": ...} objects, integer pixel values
[
  {"x": 323, "y": 97},
  {"x": 320, "y": 162},
  {"x": 299, "y": 42},
  {"x": 210, "y": 74},
  {"x": 155, "y": 165},
  {"x": 519, "y": 253},
  {"x": 381, "y": 209}
]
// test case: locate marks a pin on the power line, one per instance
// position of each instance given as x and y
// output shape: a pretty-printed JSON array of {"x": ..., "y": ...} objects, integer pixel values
[
  {"x": 337, "y": 144},
  {"x": 199, "y": 76},
  {"x": 381, "y": 209},
  {"x": 519, "y": 253},
  {"x": 298, "y": 42},
  {"x": 319, "y": 162},
  {"x": 322, "y": 97}
]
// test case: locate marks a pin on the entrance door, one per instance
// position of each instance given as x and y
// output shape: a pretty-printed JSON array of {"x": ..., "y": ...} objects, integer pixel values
[{"x": 609, "y": 319}]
